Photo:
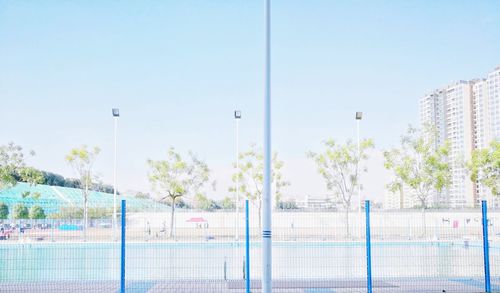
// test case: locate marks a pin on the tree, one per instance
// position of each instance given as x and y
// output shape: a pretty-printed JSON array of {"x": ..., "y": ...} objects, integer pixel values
[
  {"x": 251, "y": 177},
  {"x": 182, "y": 204},
  {"x": 227, "y": 203},
  {"x": 419, "y": 164},
  {"x": 142, "y": 195},
  {"x": 82, "y": 161},
  {"x": 72, "y": 183},
  {"x": 4, "y": 211},
  {"x": 13, "y": 167},
  {"x": 101, "y": 187},
  {"x": 340, "y": 166},
  {"x": 485, "y": 167},
  {"x": 77, "y": 213},
  {"x": 20, "y": 211},
  {"x": 53, "y": 179},
  {"x": 36, "y": 212},
  {"x": 202, "y": 202},
  {"x": 68, "y": 213},
  {"x": 175, "y": 177}
]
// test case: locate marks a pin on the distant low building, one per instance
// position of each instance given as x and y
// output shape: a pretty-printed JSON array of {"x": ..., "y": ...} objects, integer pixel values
[{"x": 318, "y": 203}]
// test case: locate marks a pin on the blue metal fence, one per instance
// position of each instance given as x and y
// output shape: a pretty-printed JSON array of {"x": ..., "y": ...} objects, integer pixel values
[
  {"x": 368, "y": 248},
  {"x": 247, "y": 247},
  {"x": 123, "y": 239},
  {"x": 394, "y": 254},
  {"x": 486, "y": 250}
]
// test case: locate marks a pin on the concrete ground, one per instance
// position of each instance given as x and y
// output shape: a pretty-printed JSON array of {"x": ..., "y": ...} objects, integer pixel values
[{"x": 279, "y": 286}]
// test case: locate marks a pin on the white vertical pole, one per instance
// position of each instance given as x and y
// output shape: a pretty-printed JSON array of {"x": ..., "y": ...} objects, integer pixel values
[
  {"x": 266, "y": 199},
  {"x": 237, "y": 234},
  {"x": 359, "y": 181},
  {"x": 114, "y": 183}
]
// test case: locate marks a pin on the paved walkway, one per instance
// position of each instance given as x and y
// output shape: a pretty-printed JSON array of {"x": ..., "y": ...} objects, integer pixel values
[{"x": 279, "y": 286}]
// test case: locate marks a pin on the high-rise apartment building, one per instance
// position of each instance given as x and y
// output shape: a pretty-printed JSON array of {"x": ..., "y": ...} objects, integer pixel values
[
  {"x": 486, "y": 119},
  {"x": 467, "y": 115},
  {"x": 403, "y": 199},
  {"x": 493, "y": 86}
]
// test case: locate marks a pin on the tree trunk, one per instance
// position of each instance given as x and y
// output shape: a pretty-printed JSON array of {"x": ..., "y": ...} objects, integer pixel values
[
  {"x": 260, "y": 213},
  {"x": 401, "y": 199},
  {"x": 424, "y": 232},
  {"x": 171, "y": 232},
  {"x": 347, "y": 222},
  {"x": 85, "y": 210},
  {"x": 85, "y": 213}
]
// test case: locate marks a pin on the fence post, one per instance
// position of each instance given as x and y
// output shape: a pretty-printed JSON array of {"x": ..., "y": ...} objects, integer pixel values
[
  {"x": 225, "y": 269},
  {"x": 486, "y": 248},
  {"x": 122, "y": 262},
  {"x": 52, "y": 227},
  {"x": 20, "y": 230},
  {"x": 247, "y": 248},
  {"x": 368, "y": 248}
]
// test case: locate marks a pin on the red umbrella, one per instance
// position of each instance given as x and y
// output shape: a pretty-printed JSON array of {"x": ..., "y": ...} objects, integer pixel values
[{"x": 197, "y": 220}]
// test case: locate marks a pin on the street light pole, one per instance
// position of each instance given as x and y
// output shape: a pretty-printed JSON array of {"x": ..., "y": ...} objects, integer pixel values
[
  {"x": 237, "y": 117},
  {"x": 266, "y": 199},
  {"x": 116, "y": 114},
  {"x": 359, "y": 116}
]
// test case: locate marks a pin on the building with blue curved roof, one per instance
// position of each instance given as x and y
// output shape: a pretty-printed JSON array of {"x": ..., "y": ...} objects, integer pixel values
[{"x": 53, "y": 198}]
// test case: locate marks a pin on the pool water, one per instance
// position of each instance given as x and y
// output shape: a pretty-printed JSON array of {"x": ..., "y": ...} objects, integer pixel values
[{"x": 219, "y": 261}]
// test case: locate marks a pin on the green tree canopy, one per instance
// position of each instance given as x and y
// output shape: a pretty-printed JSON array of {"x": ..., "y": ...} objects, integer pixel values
[
  {"x": 419, "y": 164},
  {"x": 13, "y": 167},
  {"x": 202, "y": 202},
  {"x": 251, "y": 177},
  {"x": 4, "y": 211},
  {"x": 20, "y": 211},
  {"x": 176, "y": 177},
  {"x": 82, "y": 161},
  {"x": 227, "y": 203},
  {"x": 143, "y": 195},
  {"x": 485, "y": 167},
  {"x": 77, "y": 213},
  {"x": 54, "y": 179},
  {"x": 340, "y": 166},
  {"x": 36, "y": 212}
]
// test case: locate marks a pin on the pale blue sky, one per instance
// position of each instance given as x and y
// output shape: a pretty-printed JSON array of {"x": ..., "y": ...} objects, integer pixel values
[{"x": 177, "y": 70}]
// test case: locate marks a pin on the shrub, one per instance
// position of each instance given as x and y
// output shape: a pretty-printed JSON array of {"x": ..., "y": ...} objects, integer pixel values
[
  {"x": 4, "y": 211},
  {"x": 37, "y": 212},
  {"x": 20, "y": 211}
]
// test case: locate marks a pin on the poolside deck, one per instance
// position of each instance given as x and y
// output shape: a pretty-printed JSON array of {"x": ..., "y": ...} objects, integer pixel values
[{"x": 238, "y": 286}]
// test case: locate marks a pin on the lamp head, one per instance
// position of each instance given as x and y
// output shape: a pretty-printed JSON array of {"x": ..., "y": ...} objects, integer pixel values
[
  {"x": 116, "y": 112},
  {"x": 359, "y": 115},
  {"x": 237, "y": 114}
]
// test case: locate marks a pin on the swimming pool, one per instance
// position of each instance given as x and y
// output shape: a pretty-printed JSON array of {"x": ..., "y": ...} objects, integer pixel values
[{"x": 24, "y": 262}]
